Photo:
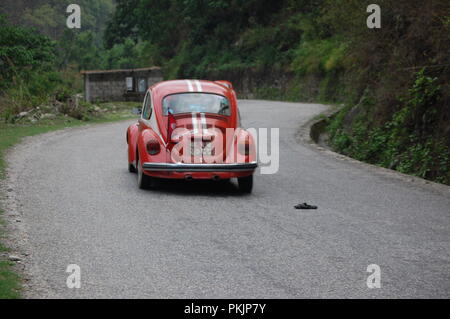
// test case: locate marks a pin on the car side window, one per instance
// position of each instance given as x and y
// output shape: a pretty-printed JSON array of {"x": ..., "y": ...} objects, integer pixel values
[
  {"x": 147, "y": 111},
  {"x": 144, "y": 105}
]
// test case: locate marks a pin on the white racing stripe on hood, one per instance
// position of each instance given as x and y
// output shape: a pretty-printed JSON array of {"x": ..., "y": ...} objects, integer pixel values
[
  {"x": 190, "y": 87},
  {"x": 204, "y": 126},
  {"x": 194, "y": 122},
  {"x": 199, "y": 85}
]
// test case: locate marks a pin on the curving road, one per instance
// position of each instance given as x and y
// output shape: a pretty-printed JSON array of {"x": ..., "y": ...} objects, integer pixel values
[{"x": 79, "y": 205}]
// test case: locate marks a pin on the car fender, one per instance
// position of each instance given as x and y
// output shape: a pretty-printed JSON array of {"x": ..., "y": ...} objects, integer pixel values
[
  {"x": 144, "y": 137},
  {"x": 253, "y": 156},
  {"x": 132, "y": 134}
]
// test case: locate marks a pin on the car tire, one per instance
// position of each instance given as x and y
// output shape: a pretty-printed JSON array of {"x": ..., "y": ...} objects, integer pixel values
[
  {"x": 245, "y": 184},
  {"x": 144, "y": 181},
  {"x": 131, "y": 168}
]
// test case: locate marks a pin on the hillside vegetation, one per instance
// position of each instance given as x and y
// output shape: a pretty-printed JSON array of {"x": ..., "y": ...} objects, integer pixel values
[{"x": 40, "y": 58}]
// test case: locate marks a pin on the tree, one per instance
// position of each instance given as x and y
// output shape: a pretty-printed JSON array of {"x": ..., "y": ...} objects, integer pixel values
[{"x": 22, "y": 51}]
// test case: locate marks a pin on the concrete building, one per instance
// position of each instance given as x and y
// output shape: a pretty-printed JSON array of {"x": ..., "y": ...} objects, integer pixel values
[{"x": 119, "y": 85}]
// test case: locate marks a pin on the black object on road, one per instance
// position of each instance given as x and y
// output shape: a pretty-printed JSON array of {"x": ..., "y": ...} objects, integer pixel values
[{"x": 305, "y": 206}]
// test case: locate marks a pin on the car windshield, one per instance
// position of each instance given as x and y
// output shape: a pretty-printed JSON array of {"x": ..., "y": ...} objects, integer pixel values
[{"x": 196, "y": 102}]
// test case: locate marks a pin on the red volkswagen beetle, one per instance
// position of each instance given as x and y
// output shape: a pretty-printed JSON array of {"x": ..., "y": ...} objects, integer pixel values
[{"x": 190, "y": 129}]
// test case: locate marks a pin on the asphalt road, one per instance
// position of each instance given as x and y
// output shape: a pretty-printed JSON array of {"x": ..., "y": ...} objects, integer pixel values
[{"x": 79, "y": 205}]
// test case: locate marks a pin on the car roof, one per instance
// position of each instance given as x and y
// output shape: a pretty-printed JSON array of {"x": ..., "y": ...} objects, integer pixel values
[{"x": 185, "y": 86}]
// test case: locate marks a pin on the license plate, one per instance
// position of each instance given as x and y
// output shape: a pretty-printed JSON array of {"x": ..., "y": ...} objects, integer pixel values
[{"x": 206, "y": 150}]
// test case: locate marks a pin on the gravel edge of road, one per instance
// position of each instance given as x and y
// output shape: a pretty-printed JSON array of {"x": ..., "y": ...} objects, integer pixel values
[
  {"x": 16, "y": 236},
  {"x": 303, "y": 136}
]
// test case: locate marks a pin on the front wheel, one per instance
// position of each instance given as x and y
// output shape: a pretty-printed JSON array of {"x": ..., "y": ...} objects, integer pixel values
[
  {"x": 245, "y": 184},
  {"x": 144, "y": 181}
]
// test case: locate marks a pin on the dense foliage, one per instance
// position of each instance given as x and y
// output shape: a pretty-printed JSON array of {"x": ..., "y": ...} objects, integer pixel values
[
  {"x": 194, "y": 38},
  {"x": 48, "y": 17},
  {"x": 407, "y": 142},
  {"x": 398, "y": 93},
  {"x": 40, "y": 57},
  {"x": 22, "y": 52},
  {"x": 25, "y": 58}
]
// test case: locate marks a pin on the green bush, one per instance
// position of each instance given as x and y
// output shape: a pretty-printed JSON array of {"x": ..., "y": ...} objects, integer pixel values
[
  {"x": 406, "y": 142},
  {"x": 320, "y": 56},
  {"x": 23, "y": 52}
]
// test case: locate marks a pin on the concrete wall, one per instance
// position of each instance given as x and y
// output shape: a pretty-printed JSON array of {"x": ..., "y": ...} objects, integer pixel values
[{"x": 111, "y": 86}]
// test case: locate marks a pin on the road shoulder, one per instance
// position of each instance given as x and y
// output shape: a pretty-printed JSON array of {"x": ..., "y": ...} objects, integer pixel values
[
  {"x": 17, "y": 278},
  {"x": 303, "y": 136}
]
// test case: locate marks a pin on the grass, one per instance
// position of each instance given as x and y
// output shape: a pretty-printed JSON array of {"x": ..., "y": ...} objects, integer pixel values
[
  {"x": 9, "y": 282},
  {"x": 11, "y": 134}
]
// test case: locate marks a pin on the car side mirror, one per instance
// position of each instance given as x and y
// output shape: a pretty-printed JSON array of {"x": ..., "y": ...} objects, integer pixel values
[{"x": 137, "y": 111}]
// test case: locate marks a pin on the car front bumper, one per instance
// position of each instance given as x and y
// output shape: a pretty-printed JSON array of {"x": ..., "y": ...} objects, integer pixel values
[{"x": 182, "y": 167}]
